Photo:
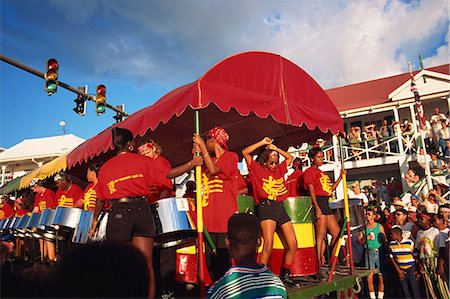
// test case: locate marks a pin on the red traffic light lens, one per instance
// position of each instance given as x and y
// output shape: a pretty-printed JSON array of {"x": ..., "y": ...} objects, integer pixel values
[
  {"x": 101, "y": 89},
  {"x": 52, "y": 64}
]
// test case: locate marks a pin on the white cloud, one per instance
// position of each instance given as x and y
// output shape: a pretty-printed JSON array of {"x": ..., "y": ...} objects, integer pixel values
[{"x": 177, "y": 41}]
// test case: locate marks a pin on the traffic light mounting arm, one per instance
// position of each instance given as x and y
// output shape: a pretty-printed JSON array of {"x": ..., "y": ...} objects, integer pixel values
[{"x": 60, "y": 83}]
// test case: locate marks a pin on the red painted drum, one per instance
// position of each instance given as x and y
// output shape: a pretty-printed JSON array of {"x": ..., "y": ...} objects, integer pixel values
[
  {"x": 305, "y": 263},
  {"x": 186, "y": 261}
]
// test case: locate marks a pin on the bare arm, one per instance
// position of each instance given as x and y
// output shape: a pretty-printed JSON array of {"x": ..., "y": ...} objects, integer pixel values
[
  {"x": 247, "y": 152},
  {"x": 212, "y": 168},
  {"x": 179, "y": 170},
  {"x": 288, "y": 157},
  {"x": 336, "y": 183}
]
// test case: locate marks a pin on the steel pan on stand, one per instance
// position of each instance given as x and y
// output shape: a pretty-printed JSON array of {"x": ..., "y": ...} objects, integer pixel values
[
  {"x": 65, "y": 221},
  {"x": 172, "y": 223},
  {"x": 22, "y": 227},
  {"x": 47, "y": 230},
  {"x": 357, "y": 219},
  {"x": 81, "y": 232},
  {"x": 33, "y": 226}
]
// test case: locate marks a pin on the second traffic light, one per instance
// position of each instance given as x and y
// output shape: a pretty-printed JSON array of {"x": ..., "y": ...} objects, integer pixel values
[
  {"x": 100, "y": 99},
  {"x": 51, "y": 76},
  {"x": 80, "y": 102}
]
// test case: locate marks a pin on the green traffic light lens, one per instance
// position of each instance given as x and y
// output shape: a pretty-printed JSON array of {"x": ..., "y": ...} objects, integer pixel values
[
  {"x": 100, "y": 109},
  {"x": 51, "y": 86}
]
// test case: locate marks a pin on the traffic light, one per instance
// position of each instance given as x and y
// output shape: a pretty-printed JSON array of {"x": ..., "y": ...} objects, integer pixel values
[
  {"x": 119, "y": 116},
  {"x": 80, "y": 102},
  {"x": 100, "y": 99},
  {"x": 51, "y": 76}
]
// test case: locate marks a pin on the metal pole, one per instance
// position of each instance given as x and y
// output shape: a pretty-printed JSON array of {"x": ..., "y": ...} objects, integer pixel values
[
  {"x": 198, "y": 196},
  {"x": 60, "y": 83}
]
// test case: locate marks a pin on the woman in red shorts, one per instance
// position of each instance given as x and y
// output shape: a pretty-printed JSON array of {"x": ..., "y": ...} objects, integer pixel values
[
  {"x": 267, "y": 176},
  {"x": 320, "y": 188}
]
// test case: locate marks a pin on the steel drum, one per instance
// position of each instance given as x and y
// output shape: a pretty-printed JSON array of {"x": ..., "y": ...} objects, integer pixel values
[
  {"x": 22, "y": 227},
  {"x": 15, "y": 224},
  {"x": 47, "y": 219},
  {"x": 67, "y": 217},
  {"x": 2, "y": 223},
  {"x": 356, "y": 209},
  {"x": 33, "y": 226},
  {"x": 172, "y": 221},
  {"x": 81, "y": 232},
  {"x": 245, "y": 204},
  {"x": 8, "y": 225}
]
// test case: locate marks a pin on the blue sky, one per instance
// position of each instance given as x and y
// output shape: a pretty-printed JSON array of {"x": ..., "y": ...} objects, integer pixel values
[{"x": 143, "y": 49}]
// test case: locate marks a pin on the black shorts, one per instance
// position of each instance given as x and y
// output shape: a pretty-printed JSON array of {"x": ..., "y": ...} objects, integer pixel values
[
  {"x": 323, "y": 201},
  {"x": 274, "y": 210},
  {"x": 130, "y": 219}
]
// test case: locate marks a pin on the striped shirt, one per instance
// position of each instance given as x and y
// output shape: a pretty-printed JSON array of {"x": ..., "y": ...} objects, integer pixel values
[
  {"x": 402, "y": 253},
  {"x": 244, "y": 282}
]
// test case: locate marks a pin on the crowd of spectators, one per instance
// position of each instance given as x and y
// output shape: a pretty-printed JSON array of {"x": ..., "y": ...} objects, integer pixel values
[{"x": 407, "y": 239}]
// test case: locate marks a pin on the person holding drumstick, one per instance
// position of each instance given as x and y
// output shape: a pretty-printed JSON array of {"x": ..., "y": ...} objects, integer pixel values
[
  {"x": 267, "y": 175},
  {"x": 320, "y": 188},
  {"x": 220, "y": 189},
  {"x": 153, "y": 150},
  {"x": 125, "y": 181},
  {"x": 44, "y": 199}
]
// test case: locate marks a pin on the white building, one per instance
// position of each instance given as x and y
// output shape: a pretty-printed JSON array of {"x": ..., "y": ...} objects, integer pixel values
[{"x": 33, "y": 153}]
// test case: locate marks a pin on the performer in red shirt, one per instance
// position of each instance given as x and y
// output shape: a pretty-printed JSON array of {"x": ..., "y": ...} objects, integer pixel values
[
  {"x": 125, "y": 181},
  {"x": 267, "y": 176},
  {"x": 68, "y": 193},
  {"x": 294, "y": 183},
  {"x": 44, "y": 199},
  {"x": 320, "y": 189},
  {"x": 220, "y": 189},
  {"x": 8, "y": 207},
  {"x": 90, "y": 192},
  {"x": 153, "y": 150}
]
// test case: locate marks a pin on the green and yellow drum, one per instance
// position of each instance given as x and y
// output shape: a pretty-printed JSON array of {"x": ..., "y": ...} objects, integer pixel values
[
  {"x": 300, "y": 211},
  {"x": 245, "y": 204}
]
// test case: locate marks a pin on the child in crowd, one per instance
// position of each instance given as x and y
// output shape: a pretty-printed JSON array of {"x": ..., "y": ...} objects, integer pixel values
[{"x": 401, "y": 255}]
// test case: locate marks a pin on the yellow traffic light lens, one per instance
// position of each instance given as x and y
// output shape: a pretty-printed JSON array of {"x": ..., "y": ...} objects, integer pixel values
[
  {"x": 100, "y": 98},
  {"x": 52, "y": 75}
]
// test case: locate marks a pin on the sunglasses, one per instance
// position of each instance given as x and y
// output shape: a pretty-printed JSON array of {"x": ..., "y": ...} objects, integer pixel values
[{"x": 272, "y": 163}]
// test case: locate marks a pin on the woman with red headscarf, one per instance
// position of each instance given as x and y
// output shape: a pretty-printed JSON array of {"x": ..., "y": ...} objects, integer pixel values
[{"x": 220, "y": 189}]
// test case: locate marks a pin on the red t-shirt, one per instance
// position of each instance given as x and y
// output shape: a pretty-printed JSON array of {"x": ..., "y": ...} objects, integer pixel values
[
  {"x": 8, "y": 210},
  {"x": 267, "y": 184},
  {"x": 294, "y": 184},
  {"x": 319, "y": 179},
  {"x": 129, "y": 175},
  {"x": 46, "y": 200},
  {"x": 155, "y": 190},
  {"x": 67, "y": 198},
  {"x": 220, "y": 193},
  {"x": 90, "y": 197},
  {"x": 20, "y": 212}
]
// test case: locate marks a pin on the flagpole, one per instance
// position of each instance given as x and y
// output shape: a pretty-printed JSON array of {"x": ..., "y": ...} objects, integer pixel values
[
  {"x": 422, "y": 124},
  {"x": 198, "y": 196}
]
